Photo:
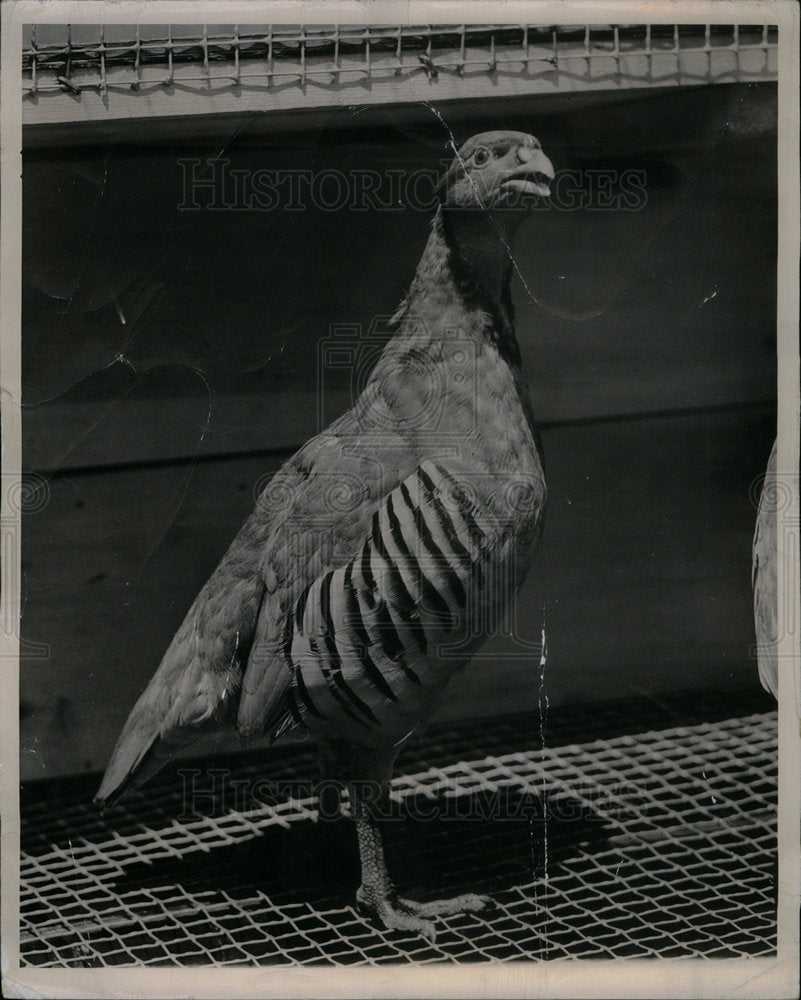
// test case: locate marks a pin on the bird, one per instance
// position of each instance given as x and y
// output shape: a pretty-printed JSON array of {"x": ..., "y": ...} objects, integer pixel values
[
  {"x": 764, "y": 580},
  {"x": 381, "y": 555}
]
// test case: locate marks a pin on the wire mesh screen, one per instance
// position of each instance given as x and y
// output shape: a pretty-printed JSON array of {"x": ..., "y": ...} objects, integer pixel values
[
  {"x": 101, "y": 58},
  {"x": 646, "y": 843}
]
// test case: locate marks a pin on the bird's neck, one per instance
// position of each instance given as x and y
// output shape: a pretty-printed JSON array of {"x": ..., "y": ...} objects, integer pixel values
[
  {"x": 480, "y": 245},
  {"x": 468, "y": 260}
]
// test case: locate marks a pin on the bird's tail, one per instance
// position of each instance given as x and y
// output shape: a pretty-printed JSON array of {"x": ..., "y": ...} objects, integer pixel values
[
  {"x": 135, "y": 758},
  {"x": 199, "y": 678},
  {"x": 143, "y": 749},
  {"x": 122, "y": 775},
  {"x": 182, "y": 701}
]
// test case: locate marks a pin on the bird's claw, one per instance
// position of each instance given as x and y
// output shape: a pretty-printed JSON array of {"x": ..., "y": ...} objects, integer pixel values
[
  {"x": 470, "y": 902},
  {"x": 397, "y": 913},
  {"x": 394, "y": 917}
]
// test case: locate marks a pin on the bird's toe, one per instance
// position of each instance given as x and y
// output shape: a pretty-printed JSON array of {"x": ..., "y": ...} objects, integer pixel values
[
  {"x": 399, "y": 914},
  {"x": 395, "y": 915},
  {"x": 470, "y": 902}
]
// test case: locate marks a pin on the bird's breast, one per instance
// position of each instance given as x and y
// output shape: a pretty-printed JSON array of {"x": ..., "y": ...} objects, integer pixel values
[{"x": 454, "y": 396}]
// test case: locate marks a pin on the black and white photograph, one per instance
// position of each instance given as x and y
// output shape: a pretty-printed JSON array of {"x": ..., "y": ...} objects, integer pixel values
[{"x": 400, "y": 499}]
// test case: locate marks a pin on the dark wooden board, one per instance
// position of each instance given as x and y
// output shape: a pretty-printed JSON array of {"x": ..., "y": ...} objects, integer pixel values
[{"x": 644, "y": 574}]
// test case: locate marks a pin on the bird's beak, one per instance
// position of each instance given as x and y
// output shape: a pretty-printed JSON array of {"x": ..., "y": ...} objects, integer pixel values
[{"x": 534, "y": 174}]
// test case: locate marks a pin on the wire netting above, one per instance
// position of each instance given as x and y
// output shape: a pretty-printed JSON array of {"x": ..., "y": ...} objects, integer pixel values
[
  {"x": 76, "y": 57},
  {"x": 651, "y": 842}
]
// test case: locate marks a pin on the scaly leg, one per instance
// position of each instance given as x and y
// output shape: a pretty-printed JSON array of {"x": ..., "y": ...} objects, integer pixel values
[{"x": 377, "y": 893}]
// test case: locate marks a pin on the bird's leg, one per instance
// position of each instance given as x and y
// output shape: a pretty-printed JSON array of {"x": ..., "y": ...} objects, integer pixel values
[{"x": 377, "y": 893}]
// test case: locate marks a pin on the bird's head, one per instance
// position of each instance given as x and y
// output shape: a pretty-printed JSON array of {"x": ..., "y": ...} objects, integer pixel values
[{"x": 497, "y": 171}]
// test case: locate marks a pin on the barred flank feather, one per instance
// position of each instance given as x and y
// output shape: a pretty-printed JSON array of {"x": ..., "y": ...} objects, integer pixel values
[{"x": 372, "y": 640}]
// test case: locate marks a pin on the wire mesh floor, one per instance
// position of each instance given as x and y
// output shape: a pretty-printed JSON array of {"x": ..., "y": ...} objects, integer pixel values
[{"x": 637, "y": 841}]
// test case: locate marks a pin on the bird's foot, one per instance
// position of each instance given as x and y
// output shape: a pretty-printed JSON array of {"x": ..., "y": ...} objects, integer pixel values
[{"x": 398, "y": 914}]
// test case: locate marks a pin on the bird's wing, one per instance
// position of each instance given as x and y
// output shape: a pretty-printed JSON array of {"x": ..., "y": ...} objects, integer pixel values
[
  {"x": 303, "y": 518},
  {"x": 764, "y": 580},
  {"x": 320, "y": 514},
  {"x": 365, "y": 649}
]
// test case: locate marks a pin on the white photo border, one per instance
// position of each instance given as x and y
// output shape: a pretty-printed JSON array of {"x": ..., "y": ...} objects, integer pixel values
[{"x": 691, "y": 978}]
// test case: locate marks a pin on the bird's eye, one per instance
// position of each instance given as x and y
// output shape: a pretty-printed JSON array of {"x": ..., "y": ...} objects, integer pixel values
[{"x": 481, "y": 156}]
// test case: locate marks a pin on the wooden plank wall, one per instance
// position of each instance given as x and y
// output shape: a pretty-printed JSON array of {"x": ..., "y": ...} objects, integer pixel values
[{"x": 648, "y": 338}]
